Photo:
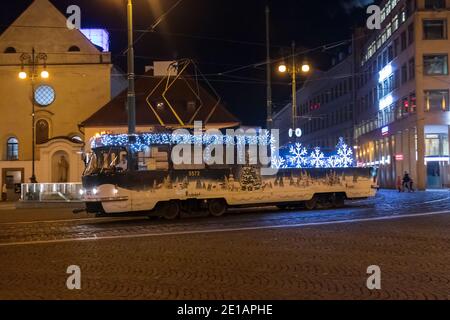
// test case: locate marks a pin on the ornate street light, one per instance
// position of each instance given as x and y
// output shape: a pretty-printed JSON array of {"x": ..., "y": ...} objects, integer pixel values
[
  {"x": 32, "y": 60},
  {"x": 293, "y": 70}
]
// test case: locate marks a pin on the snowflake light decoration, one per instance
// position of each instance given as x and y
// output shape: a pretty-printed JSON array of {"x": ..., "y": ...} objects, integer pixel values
[
  {"x": 334, "y": 162},
  {"x": 278, "y": 162},
  {"x": 317, "y": 159},
  {"x": 345, "y": 153},
  {"x": 298, "y": 156}
]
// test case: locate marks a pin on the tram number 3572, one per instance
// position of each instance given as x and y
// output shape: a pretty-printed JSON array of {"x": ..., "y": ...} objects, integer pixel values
[{"x": 194, "y": 173}]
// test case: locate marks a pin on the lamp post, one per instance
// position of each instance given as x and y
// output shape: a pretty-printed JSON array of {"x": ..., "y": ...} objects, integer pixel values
[
  {"x": 131, "y": 96},
  {"x": 32, "y": 61},
  {"x": 293, "y": 70}
]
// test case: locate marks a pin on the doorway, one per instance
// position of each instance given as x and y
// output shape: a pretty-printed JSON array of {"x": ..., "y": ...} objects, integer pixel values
[
  {"x": 434, "y": 180},
  {"x": 12, "y": 180}
]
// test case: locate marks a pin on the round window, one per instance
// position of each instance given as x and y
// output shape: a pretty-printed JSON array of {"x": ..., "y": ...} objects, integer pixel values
[{"x": 44, "y": 95}]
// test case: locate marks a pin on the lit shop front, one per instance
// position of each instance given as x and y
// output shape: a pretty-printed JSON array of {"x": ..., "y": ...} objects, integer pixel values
[{"x": 396, "y": 151}]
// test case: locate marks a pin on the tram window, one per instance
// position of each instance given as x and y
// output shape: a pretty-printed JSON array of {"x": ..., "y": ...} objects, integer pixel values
[{"x": 154, "y": 159}]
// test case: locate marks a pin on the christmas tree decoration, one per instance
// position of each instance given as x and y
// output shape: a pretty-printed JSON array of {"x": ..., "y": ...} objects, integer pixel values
[{"x": 250, "y": 181}]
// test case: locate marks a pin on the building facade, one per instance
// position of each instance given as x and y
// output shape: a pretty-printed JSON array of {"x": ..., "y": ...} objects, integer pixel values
[
  {"x": 78, "y": 83},
  {"x": 324, "y": 108},
  {"x": 402, "y": 100}
]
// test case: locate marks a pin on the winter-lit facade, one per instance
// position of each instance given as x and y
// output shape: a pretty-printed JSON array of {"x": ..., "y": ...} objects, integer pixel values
[{"x": 402, "y": 101}]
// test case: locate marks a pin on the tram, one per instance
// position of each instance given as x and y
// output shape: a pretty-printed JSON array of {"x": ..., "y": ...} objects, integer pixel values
[{"x": 158, "y": 185}]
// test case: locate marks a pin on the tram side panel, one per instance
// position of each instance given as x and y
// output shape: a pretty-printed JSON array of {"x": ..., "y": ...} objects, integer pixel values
[{"x": 142, "y": 191}]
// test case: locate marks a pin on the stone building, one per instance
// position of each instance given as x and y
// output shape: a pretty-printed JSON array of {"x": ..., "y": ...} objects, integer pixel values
[{"x": 78, "y": 84}]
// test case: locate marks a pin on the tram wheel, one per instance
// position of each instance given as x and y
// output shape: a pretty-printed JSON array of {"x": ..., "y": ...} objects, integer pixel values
[
  {"x": 217, "y": 207},
  {"x": 311, "y": 204},
  {"x": 170, "y": 210}
]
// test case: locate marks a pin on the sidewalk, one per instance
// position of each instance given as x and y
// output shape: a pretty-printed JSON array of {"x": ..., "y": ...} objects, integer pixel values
[{"x": 7, "y": 206}]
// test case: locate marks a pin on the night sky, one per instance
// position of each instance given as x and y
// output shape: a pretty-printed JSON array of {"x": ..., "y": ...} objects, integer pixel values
[{"x": 221, "y": 35}]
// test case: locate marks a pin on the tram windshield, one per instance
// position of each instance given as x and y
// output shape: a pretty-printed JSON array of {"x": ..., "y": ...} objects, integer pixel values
[{"x": 106, "y": 160}]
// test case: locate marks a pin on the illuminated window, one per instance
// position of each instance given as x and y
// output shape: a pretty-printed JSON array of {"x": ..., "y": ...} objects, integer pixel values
[
  {"x": 44, "y": 95},
  {"x": 435, "y": 64},
  {"x": 12, "y": 149},
  {"x": 436, "y": 100}
]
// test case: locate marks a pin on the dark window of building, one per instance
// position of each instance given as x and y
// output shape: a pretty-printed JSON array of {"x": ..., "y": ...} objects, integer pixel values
[
  {"x": 434, "y": 29},
  {"x": 12, "y": 149},
  {"x": 390, "y": 53},
  {"x": 436, "y": 100},
  {"x": 434, "y": 4},
  {"x": 436, "y": 64},
  {"x": 411, "y": 33},
  {"x": 385, "y": 58},
  {"x": 74, "y": 49},
  {"x": 396, "y": 47},
  {"x": 411, "y": 6},
  {"x": 412, "y": 68},
  {"x": 42, "y": 131},
  {"x": 403, "y": 39},
  {"x": 10, "y": 50},
  {"x": 412, "y": 102},
  {"x": 404, "y": 74},
  {"x": 397, "y": 79},
  {"x": 380, "y": 63}
]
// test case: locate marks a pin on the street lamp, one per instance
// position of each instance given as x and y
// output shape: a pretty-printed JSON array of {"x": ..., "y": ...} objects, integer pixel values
[
  {"x": 293, "y": 70},
  {"x": 32, "y": 60}
]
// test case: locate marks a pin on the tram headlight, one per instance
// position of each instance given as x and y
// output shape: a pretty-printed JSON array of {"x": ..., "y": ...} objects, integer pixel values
[
  {"x": 94, "y": 191},
  {"x": 82, "y": 192}
]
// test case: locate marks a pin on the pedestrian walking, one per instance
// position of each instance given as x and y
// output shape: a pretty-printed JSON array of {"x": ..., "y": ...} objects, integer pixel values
[{"x": 406, "y": 182}]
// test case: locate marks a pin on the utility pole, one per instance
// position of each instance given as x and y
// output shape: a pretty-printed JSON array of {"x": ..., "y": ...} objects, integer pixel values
[
  {"x": 294, "y": 89},
  {"x": 269, "y": 71},
  {"x": 131, "y": 96}
]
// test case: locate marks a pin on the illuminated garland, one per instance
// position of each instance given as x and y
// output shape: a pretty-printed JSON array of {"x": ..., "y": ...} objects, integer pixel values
[
  {"x": 143, "y": 141},
  {"x": 294, "y": 156}
]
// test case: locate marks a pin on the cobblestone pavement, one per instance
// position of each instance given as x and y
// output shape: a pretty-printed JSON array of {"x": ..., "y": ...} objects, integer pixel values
[{"x": 263, "y": 254}]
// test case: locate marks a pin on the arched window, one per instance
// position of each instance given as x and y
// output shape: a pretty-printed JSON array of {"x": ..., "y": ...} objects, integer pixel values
[
  {"x": 42, "y": 131},
  {"x": 76, "y": 138},
  {"x": 74, "y": 49},
  {"x": 12, "y": 149},
  {"x": 10, "y": 50}
]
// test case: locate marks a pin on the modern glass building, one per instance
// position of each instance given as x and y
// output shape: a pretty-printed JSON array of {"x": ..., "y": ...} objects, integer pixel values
[{"x": 402, "y": 118}]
